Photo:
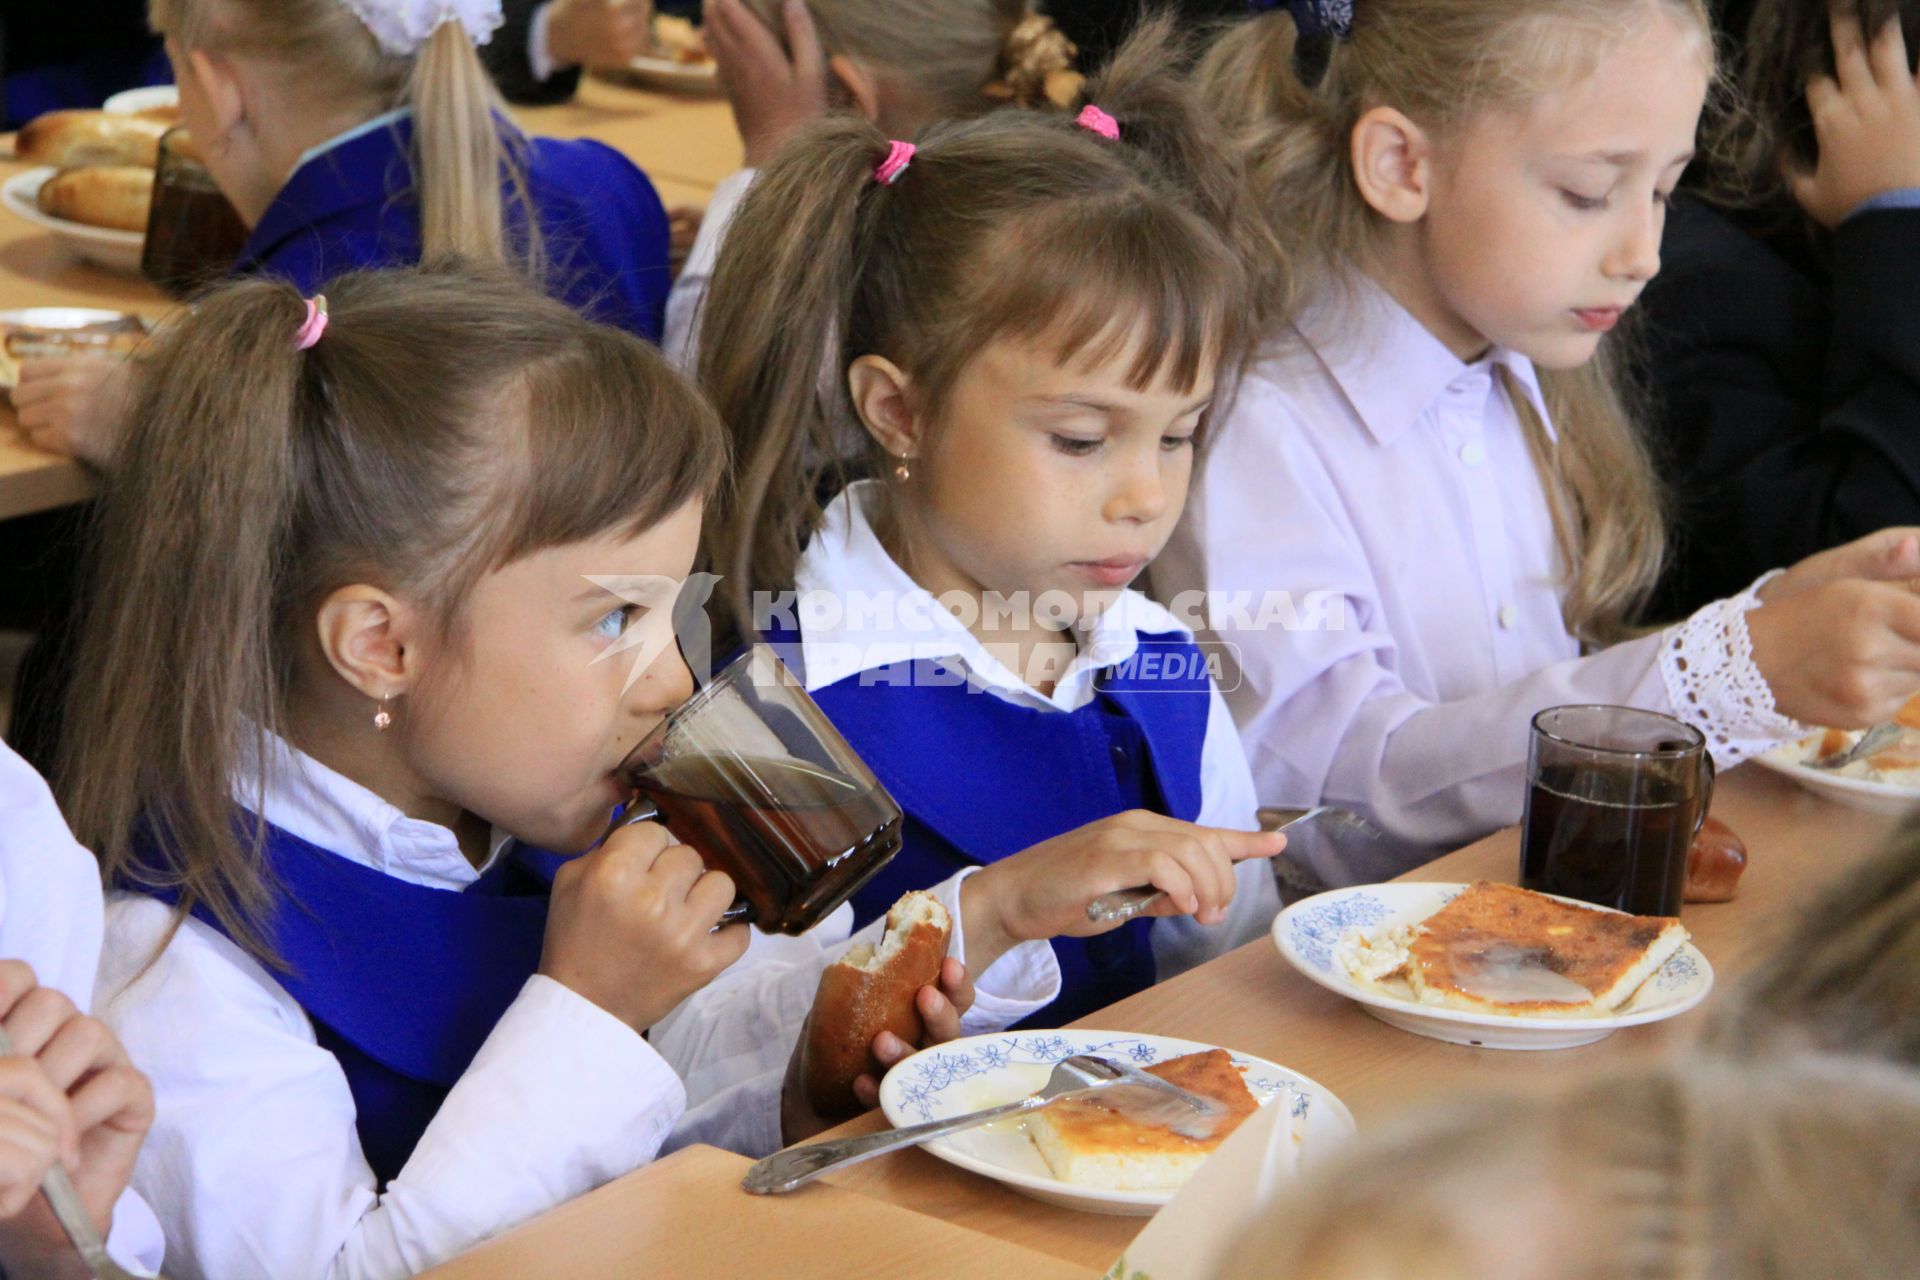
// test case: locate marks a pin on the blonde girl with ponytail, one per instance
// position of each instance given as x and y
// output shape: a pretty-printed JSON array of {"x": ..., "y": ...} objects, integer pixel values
[
  {"x": 1431, "y": 513},
  {"x": 900, "y": 64},
  {"x": 356, "y": 134}
]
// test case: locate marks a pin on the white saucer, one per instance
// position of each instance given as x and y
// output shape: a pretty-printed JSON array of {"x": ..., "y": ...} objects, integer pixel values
[
  {"x": 133, "y": 101},
  {"x": 115, "y": 250},
  {"x": 1856, "y": 793},
  {"x": 977, "y": 1072},
  {"x": 1308, "y": 931}
]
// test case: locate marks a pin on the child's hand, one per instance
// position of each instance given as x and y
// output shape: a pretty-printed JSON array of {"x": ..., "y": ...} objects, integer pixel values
[
  {"x": 772, "y": 94},
  {"x": 68, "y": 1094},
  {"x": 1844, "y": 653},
  {"x": 75, "y": 404},
  {"x": 1043, "y": 892},
  {"x": 940, "y": 1010},
  {"x": 1867, "y": 121},
  {"x": 1891, "y": 555},
  {"x": 631, "y": 925},
  {"x": 599, "y": 34}
]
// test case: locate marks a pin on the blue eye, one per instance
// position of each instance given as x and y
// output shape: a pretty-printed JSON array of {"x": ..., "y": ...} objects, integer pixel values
[
  {"x": 613, "y": 623},
  {"x": 1074, "y": 446},
  {"x": 1585, "y": 204}
]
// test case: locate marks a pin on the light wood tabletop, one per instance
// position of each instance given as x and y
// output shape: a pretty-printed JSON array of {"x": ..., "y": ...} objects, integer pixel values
[
  {"x": 1249, "y": 1000},
  {"x": 685, "y": 143}
]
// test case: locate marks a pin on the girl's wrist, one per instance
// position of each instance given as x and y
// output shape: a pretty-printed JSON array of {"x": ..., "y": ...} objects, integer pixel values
[{"x": 983, "y": 921}]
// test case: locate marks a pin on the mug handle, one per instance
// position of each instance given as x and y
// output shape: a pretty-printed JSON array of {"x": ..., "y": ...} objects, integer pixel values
[
  {"x": 1706, "y": 801},
  {"x": 640, "y": 809}
]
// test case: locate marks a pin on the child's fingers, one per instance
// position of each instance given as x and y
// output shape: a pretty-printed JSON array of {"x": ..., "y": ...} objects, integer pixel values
[
  {"x": 81, "y": 1046},
  {"x": 866, "y": 1091},
  {"x": 1888, "y": 56},
  {"x": 29, "y": 1099},
  {"x": 808, "y": 65},
  {"x": 938, "y": 1014},
  {"x": 32, "y": 1022},
  {"x": 956, "y": 984},
  {"x": 17, "y": 978},
  {"x": 1167, "y": 874},
  {"x": 1849, "y": 48},
  {"x": 120, "y": 1097},
  {"x": 27, "y": 1151}
]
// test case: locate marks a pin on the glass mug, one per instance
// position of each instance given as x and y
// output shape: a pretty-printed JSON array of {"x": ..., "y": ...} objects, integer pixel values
[
  {"x": 752, "y": 774},
  {"x": 1615, "y": 796},
  {"x": 193, "y": 232}
]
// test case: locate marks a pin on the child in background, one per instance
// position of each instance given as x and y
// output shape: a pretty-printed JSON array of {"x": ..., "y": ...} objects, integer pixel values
[
  {"x": 67, "y": 1092},
  {"x": 1434, "y": 461},
  {"x": 900, "y": 64},
  {"x": 364, "y": 135},
  {"x": 1783, "y": 334},
  {"x": 1022, "y": 317}
]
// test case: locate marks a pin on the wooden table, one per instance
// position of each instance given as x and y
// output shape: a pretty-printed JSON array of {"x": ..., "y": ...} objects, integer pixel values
[
  {"x": 685, "y": 144},
  {"x": 1252, "y": 1001}
]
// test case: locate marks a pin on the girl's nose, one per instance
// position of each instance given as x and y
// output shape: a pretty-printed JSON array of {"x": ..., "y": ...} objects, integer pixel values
[{"x": 1636, "y": 256}]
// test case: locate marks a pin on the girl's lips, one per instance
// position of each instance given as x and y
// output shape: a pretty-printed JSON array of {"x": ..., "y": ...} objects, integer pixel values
[
  {"x": 1598, "y": 319},
  {"x": 1111, "y": 573}
]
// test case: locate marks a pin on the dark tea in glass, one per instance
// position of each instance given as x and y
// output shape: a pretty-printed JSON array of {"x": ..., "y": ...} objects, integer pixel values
[
  {"x": 1615, "y": 796},
  {"x": 752, "y": 774},
  {"x": 193, "y": 231}
]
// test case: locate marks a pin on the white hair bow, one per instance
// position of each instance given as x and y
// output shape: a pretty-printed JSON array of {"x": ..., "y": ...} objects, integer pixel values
[{"x": 402, "y": 26}]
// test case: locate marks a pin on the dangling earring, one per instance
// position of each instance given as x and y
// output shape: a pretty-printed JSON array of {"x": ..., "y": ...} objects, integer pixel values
[
  {"x": 903, "y": 472},
  {"x": 381, "y": 718}
]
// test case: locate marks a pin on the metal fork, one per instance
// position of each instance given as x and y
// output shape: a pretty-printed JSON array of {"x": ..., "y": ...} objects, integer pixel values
[
  {"x": 72, "y": 1215},
  {"x": 1124, "y": 904}
]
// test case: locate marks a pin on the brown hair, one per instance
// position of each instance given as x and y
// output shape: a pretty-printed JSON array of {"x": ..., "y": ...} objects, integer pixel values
[
  {"x": 1013, "y": 225},
  {"x": 1767, "y": 126},
  {"x": 1847, "y": 976},
  {"x": 1443, "y": 62},
  {"x": 957, "y": 56},
  {"x": 328, "y": 56},
  {"x": 1693, "y": 1169},
  {"x": 447, "y": 424}
]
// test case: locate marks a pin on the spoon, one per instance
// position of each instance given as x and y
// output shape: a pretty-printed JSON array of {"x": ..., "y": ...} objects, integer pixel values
[
  {"x": 1072, "y": 1077},
  {"x": 1871, "y": 741}
]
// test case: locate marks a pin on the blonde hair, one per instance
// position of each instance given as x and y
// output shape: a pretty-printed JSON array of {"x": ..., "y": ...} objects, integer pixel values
[
  {"x": 327, "y": 56},
  {"x": 448, "y": 423},
  {"x": 1013, "y": 225},
  {"x": 1694, "y": 1169},
  {"x": 1292, "y": 108},
  {"x": 959, "y": 55}
]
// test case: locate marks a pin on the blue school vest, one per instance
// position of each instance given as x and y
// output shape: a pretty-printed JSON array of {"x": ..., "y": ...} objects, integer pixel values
[
  {"x": 403, "y": 982},
  {"x": 353, "y": 207},
  {"x": 979, "y": 778}
]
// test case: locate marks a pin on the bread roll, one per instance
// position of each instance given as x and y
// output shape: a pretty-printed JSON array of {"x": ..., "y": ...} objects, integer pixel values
[
  {"x": 68, "y": 138},
  {"x": 868, "y": 991},
  {"x": 113, "y": 196},
  {"x": 1714, "y": 863}
]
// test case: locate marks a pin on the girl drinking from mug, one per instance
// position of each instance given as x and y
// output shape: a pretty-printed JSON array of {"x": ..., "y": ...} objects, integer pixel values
[
  {"x": 1022, "y": 317},
  {"x": 365, "y": 135},
  {"x": 1435, "y": 459}
]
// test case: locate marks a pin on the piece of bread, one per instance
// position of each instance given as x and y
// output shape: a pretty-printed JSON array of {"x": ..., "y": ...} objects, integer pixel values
[
  {"x": 1090, "y": 1143},
  {"x": 1504, "y": 950},
  {"x": 869, "y": 990},
  {"x": 66, "y": 139},
  {"x": 115, "y": 196},
  {"x": 23, "y": 342},
  {"x": 1715, "y": 860}
]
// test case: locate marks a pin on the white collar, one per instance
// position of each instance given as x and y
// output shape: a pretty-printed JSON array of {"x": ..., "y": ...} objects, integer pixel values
[
  {"x": 307, "y": 799},
  {"x": 860, "y": 611},
  {"x": 1390, "y": 366}
]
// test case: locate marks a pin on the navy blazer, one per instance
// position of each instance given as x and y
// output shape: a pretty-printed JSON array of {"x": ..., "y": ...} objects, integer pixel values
[{"x": 603, "y": 227}]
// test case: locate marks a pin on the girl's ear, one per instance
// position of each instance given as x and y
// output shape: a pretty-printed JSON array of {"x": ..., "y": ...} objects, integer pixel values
[
  {"x": 368, "y": 638},
  {"x": 1392, "y": 163},
  {"x": 883, "y": 397},
  {"x": 861, "y": 85},
  {"x": 220, "y": 84}
]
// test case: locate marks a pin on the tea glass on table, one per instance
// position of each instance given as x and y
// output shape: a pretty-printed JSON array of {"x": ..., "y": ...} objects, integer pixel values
[
  {"x": 752, "y": 774},
  {"x": 193, "y": 231},
  {"x": 1615, "y": 796}
]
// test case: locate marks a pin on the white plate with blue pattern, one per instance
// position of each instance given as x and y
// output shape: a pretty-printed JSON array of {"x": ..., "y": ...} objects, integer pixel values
[
  {"x": 1308, "y": 931},
  {"x": 977, "y": 1072}
]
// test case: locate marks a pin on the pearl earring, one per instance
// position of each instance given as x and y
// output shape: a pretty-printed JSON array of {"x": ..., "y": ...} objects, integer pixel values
[
  {"x": 381, "y": 718},
  {"x": 904, "y": 471}
]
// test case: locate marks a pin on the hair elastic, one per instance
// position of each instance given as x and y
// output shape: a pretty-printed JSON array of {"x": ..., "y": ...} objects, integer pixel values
[
  {"x": 899, "y": 156},
  {"x": 314, "y": 325},
  {"x": 1313, "y": 17},
  {"x": 1094, "y": 120}
]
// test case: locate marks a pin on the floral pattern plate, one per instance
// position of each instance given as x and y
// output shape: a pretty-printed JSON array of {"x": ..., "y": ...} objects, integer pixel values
[
  {"x": 976, "y": 1072},
  {"x": 1308, "y": 931}
]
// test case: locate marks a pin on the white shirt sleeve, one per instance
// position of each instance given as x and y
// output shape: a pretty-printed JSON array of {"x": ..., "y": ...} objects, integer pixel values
[
  {"x": 682, "y": 339},
  {"x": 254, "y": 1163},
  {"x": 731, "y": 1040}
]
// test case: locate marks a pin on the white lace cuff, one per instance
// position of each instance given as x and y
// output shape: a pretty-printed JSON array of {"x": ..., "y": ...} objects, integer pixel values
[{"x": 1706, "y": 663}]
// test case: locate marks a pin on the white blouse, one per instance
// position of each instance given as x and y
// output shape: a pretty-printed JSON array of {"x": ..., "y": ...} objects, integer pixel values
[
  {"x": 1372, "y": 539},
  {"x": 50, "y": 917},
  {"x": 254, "y": 1164},
  {"x": 847, "y": 561}
]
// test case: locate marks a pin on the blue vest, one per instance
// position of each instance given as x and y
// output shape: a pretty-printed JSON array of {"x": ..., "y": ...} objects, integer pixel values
[
  {"x": 403, "y": 982},
  {"x": 980, "y": 778},
  {"x": 603, "y": 228}
]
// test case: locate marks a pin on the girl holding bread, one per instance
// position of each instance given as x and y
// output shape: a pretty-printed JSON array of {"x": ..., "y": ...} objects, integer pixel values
[
  {"x": 1022, "y": 317},
  {"x": 1437, "y": 449},
  {"x": 366, "y": 134}
]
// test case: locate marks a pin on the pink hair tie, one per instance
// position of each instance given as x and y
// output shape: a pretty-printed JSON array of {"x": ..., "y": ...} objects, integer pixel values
[
  {"x": 899, "y": 155},
  {"x": 1094, "y": 120},
  {"x": 314, "y": 325}
]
